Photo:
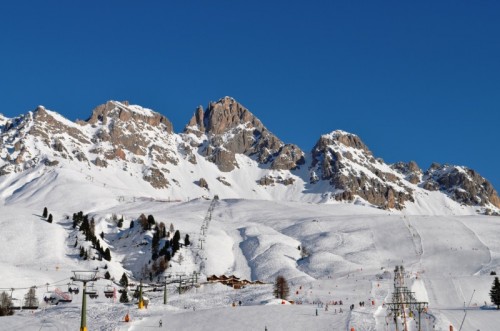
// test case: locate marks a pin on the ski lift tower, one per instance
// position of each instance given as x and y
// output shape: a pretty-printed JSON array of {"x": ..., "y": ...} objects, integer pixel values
[
  {"x": 84, "y": 277},
  {"x": 167, "y": 277}
]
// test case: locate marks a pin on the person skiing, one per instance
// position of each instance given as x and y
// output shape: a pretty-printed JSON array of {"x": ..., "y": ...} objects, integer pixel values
[{"x": 160, "y": 324}]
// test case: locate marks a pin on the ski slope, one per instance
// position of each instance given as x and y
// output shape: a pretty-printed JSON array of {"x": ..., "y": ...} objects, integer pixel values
[{"x": 448, "y": 253}]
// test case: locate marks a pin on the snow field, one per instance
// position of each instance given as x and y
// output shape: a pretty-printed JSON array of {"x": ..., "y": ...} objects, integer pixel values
[{"x": 348, "y": 245}]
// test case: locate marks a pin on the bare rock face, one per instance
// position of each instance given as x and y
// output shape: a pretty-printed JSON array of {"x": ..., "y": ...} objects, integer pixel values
[
  {"x": 23, "y": 139},
  {"x": 410, "y": 170},
  {"x": 462, "y": 184},
  {"x": 223, "y": 180},
  {"x": 266, "y": 180},
  {"x": 156, "y": 178},
  {"x": 123, "y": 126},
  {"x": 126, "y": 113},
  {"x": 347, "y": 163},
  {"x": 203, "y": 183},
  {"x": 100, "y": 163},
  {"x": 229, "y": 129}
]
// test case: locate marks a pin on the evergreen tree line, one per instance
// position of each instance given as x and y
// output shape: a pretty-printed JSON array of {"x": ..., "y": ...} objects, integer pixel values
[{"x": 88, "y": 229}]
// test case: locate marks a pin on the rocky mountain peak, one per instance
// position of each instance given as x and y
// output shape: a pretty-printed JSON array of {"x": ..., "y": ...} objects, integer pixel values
[
  {"x": 461, "y": 184},
  {"x": 346, "y": 162},
  {"x": 229, "y": 129},
  {"x": 125, "y": 112},
  {"x": 345, "y": 138},
  {"x": 222, "y": 116}
]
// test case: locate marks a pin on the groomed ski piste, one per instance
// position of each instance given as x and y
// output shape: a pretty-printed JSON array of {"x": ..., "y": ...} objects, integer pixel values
[{"x": 352, "y": 250}]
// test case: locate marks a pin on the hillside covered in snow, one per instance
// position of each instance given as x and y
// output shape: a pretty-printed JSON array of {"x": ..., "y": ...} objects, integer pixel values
[{"x": 126, "y": 195}]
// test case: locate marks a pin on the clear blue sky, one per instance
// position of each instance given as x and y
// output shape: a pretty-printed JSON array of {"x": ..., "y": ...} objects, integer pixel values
[{"x": 416, "y": 80}]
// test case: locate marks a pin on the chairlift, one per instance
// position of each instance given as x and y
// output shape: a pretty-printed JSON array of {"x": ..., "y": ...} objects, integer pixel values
[
  {"x": 50, "y": 298},
  {"x": 92, "y": 292},
  {"x": 15, "y": 304},
  {"x": 73, "y": 288},
  {"x": 109, "y": 291}
]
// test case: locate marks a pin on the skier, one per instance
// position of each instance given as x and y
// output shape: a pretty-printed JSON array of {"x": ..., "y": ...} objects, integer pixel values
[{"x": 160, "y": 324}]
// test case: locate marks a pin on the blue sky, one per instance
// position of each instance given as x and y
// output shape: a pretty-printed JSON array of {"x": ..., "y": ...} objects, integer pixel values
[{"x": 415, "y": 80}]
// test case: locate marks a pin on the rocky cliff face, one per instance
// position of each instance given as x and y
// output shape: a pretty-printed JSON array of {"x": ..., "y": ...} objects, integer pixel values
[
  {"x": 24, "y": 138},
  {"x": 227, "y": 128},
  {"x": 116, "y": 133},
  {"x": 461, "y": 184},
  {"x": 410, "y": 170},
  {"x": 347, "y": 163}
]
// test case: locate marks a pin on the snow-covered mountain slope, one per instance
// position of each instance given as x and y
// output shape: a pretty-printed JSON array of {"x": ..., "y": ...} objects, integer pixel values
[{"x": 347, "y": 245}]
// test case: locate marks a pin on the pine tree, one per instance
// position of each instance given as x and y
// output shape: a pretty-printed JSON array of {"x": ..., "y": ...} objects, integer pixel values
[
  {"x": 124, "y": 297},
  {"x": 107, "y": 275},
  {"x": 107, "y": 254},
  {"x": 124, "y": 280},
  {"x": 5, "y": 304},
  {"x": 175, "y": 246},
  {"x": 495, "y": 292},
  {"x": 30, "y": 299},
  {"x": 151, "y": 221},
  {"x": 281, "y": 289},
  {"x": 171, "y": 228},
  {"x": 45, "y": 212},
  {"x": 177, "y": 235},
  {"x": 102, "y": 235},
  {"x": 162, "y": 230},
  {"x": 186, "y": 240},
  {"x": 50, "y": 218}
]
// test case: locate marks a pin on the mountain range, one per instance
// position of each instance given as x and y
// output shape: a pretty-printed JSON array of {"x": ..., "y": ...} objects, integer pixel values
[{"x": 223, "y": 150}]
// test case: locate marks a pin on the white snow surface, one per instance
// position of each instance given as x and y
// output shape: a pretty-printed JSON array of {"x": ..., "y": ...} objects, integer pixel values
[{"x": 447, "y": 252}]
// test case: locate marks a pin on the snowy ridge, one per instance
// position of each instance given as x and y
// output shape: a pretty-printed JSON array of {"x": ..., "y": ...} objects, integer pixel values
[{"x": 135, "y": 146}]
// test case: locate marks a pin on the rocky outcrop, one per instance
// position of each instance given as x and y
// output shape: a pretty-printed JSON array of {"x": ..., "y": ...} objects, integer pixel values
[
  {"x": 113, "y": 110},
  {"x": 346, "y": 162},
  {"x": 156, "y": 178},
  {"x": 223, "y": 180},
  {"x": 203, "y": 183},
  {"x": 266, "y": 180},
  {"x": 462, "y": 184},
  {"x": 229, "y": 129},
  {"x": 410, "y": 170},
  {"x": 123, "y": 126}
]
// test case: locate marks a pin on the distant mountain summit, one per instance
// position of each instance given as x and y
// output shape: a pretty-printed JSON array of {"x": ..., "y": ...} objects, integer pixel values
[
  {"x": 225, "y": 149},
  {"x": 227, "y": 128},
  {"x": 346, "y": 162}
]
